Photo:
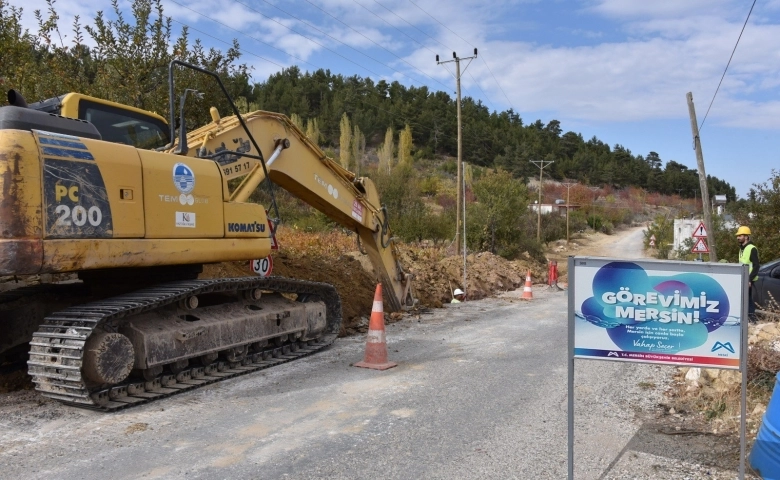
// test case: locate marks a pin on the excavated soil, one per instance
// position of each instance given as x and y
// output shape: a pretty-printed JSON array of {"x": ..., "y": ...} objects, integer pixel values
[{"x": 435, "y": 276}]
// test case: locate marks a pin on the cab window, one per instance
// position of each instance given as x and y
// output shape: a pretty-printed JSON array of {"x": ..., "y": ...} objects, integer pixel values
[{"x": 123, "y": 126}]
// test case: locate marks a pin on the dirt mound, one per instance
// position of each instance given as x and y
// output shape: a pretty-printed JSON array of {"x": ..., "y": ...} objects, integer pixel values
[
  {"x": 355, "y": 286},
  {"x": 435, "y": 276}
]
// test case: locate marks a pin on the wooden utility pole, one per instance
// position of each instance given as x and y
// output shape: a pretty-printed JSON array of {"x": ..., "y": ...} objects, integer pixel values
[
  {"x": 541, "y": 164},
  {"x": 568, "y": 186},
  {"x": 705, "y": 196},
  {"x": 460, "y": 199}
]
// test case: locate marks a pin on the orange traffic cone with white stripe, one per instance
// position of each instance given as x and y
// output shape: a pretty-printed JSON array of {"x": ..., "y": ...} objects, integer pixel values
[
  {"x": 528, "y": 293},
  {"x": 376, "y": 344}
]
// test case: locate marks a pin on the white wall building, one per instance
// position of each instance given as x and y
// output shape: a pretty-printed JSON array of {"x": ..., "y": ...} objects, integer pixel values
[{"x": 683, "y": 228}]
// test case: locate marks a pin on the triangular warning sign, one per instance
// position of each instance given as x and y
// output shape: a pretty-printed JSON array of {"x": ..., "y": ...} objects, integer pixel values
[
  {"x": 700, "y": 231},
  {"x": 700, "y": 247},
  {"x": 274, "y": 245}
]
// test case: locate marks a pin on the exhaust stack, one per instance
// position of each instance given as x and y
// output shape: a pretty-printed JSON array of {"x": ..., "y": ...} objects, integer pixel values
[{"x": 16, "y": 99}]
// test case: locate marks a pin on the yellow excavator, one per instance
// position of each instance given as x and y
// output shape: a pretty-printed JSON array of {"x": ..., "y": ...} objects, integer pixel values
[{"x": 107, "y": 191}]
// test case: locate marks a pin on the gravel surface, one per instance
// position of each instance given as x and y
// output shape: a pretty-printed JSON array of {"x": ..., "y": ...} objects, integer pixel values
[{"x": 480, "y": 392}]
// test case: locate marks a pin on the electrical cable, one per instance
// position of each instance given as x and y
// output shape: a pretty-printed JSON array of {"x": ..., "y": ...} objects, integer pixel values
[
  {"x": 396, "y": 28},
  {"x": 482, "y": 57},
  {"x": 445, "y": 46},
  {"x": 292, "y": 30},
  {"x": 228, "y": 43},
  {"x": 237, "y": 31},
  {"x": 418, "y": 127},
  {"x": 372, "y": 41},
  {"x": 348, "y": 46},
  {"x": 727, "y": 65},
  {"x": 413, "y": 26}
]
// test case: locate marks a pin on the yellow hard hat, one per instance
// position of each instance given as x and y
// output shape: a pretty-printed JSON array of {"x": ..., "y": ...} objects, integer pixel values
[{"x": 743, "y": 231}]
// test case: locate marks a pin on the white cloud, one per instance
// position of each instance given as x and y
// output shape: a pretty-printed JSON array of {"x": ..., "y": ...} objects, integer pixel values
[
  {"x": 646, "y": 77},
  {"x": 656, "y": 8}
]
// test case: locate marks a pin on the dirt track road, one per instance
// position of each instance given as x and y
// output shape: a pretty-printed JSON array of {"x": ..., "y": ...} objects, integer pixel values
[{"x": 479, "y": 392}]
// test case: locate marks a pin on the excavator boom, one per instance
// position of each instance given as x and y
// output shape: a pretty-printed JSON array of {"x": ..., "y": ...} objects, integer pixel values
[{"x": 302, "y": 168}]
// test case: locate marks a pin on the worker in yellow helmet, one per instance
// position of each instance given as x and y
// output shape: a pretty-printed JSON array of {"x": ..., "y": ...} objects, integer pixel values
[{"x": 748, "y": 255}]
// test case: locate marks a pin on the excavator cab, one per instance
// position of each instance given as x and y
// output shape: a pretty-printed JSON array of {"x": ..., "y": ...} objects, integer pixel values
[{"x": 115, "y": 122}]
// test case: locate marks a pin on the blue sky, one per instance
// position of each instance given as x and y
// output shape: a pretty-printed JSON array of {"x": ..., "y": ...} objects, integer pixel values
[{"x": 616, "y": 69}]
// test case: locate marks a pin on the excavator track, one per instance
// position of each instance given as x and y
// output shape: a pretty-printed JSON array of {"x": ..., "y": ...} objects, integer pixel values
[{"x": 57, "y": 348}]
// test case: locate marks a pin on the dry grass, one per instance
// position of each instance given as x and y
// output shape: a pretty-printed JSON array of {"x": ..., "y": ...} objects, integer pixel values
[{"x": 721, "y": 408}]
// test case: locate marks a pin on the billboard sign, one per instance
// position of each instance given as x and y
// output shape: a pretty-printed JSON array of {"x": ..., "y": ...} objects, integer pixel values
[{"x": 680, "y": 313}]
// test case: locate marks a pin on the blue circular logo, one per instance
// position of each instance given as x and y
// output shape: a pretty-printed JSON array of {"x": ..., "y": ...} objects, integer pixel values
[{"x": 183, "y": 178}]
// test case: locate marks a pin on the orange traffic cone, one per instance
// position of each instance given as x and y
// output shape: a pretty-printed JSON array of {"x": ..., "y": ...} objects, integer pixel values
[
  {"x": 528, "y": 293},
  {"x": 376, "y": 344}
]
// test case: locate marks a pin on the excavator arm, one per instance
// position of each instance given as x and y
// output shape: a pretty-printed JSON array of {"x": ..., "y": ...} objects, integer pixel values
[{"x": 302, "y": 168}]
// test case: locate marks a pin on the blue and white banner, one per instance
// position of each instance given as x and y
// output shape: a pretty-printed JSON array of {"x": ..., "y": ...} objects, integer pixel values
[{"x": 687, "y": 313}]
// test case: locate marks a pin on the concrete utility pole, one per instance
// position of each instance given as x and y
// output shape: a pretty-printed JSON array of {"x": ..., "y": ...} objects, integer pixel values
[
  {"x": 705, "y": 196},
  {"x": 460, "y": 199},
  {"x": 568, "y": 186},
  {"x": 541, "y": 164}
]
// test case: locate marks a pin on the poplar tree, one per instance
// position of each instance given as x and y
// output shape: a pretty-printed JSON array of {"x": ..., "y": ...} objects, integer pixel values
[
  {"x": 313, "y": 130},
  {"x": 345, "y": 141},
  {"x": 385, "y": 152},
  {"x": 296, "y": 120},
  {"x": 358, "y": 146},
  {"x": 405, "y": 146}
]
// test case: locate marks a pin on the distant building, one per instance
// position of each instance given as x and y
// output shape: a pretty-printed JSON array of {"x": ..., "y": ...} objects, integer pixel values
[
  {"x": 545, "y": 208},
  {"x": 719, "y": 204},
  {"x": 558, "y": 207},
  {"x": 683, "y": 229}
]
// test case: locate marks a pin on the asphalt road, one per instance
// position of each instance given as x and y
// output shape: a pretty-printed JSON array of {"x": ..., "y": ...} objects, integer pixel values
[{"x": 479, "y": 392}]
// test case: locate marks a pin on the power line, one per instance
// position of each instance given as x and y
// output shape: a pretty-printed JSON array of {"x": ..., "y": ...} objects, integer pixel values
[
  {"x": 437, "y": 21},
  {"x": 497, "y": 83},
  {"x": 363, "y": 101},
  {"x": 480, "y": 89},
  {"x": 435, "y": 40},
  {"x": 413, "y": 26},
  {"x": 349, "y": 46},
  {"x": 483, "y": 57},
  {"x": 393, "y": 26},
  {"x": 727, "y": 64},
  {"x": 304, "y": 36},
  {"x": 372, "y": 41},
  {"x": 228, "y": 43},
  {"x": 418, "y": 126}
]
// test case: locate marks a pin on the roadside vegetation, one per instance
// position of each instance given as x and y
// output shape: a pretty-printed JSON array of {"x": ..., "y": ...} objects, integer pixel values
[{"x": 403, "y": 137}]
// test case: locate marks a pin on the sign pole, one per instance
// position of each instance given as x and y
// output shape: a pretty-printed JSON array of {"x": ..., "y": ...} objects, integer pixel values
[
  {"x": 743, "y": 366},
  {"x": 571, "y": 369}
]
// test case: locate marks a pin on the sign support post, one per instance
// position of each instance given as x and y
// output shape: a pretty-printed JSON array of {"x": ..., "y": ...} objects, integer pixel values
[{"x": 570, "y": 408}]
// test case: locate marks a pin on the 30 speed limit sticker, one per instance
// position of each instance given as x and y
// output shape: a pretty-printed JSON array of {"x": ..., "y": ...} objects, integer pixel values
[{"x": 263, "y": 267}]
